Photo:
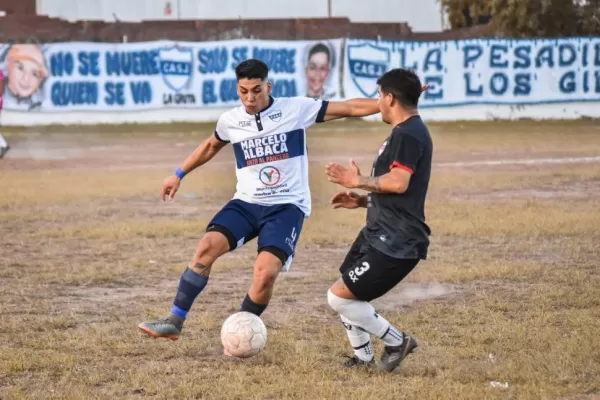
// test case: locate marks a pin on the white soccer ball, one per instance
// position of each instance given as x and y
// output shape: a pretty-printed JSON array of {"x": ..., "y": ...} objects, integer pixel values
[{"x": 243, "y": 334}]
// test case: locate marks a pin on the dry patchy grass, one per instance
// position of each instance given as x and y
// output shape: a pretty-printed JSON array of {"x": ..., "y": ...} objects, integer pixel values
[{"x": 510, "y": 293}]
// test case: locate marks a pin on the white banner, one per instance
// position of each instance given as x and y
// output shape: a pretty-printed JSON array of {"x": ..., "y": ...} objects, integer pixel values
[
  {"x": 116, "y": 82},
  {"x": 482, "y": 71},
  {"x": 79, "y": 76}
]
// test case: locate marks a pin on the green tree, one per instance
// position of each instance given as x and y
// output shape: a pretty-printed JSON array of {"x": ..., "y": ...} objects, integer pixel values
[{"x": 529, "y": 18}]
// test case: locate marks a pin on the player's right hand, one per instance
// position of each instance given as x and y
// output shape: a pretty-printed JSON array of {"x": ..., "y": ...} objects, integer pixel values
[
  {"x": 170, "y": 187},
  {"x": 348, "y": 200}
]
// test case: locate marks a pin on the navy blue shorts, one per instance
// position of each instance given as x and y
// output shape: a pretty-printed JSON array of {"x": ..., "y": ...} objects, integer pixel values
[{"x": 277, "y": 227}]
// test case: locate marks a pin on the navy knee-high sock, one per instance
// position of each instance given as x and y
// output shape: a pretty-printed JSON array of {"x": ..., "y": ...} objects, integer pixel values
[{"x": 190, "y": 286}]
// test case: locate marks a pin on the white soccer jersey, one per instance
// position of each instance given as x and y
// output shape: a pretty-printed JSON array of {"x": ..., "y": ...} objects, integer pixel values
[{"x": 270, "y": 150}]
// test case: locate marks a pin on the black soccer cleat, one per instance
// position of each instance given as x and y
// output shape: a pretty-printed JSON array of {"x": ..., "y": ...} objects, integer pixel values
[
  {"x": 355, "y": 362},
  {"x": 393, "y": 356}
]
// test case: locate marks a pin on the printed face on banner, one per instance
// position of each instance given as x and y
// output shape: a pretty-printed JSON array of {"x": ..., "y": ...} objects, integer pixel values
[
  {"x": 26, "y": 74},
  {"x": 320, "y": 62}
]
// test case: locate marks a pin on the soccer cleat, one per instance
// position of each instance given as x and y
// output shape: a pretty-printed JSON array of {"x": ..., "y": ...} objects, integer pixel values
[
  {"x": 162, "y": 328},
  {"x": 4, "y": 150},
  {"x": 354, "y": 362},
  {"x": 393, "y": 356}
]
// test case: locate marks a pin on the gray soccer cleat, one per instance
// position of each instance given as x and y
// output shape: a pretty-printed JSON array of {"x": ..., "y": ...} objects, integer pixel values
[
  {"x": 393, "y": 356},
  {"x": 168, "y": 328},
  {"x": 4, "y": 150}
]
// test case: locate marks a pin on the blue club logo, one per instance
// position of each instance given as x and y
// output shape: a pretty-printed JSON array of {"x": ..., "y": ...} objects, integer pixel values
[
  {"x": 176, "y": 66},
  {"x": 275, "y": 115},
  {"x": 367, "y": 63}
]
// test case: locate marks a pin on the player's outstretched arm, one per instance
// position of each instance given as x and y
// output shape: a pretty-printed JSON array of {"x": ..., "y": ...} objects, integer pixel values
[
  {"x": 353, "y": 108},
  {"x": 203, "y": 153},
  {"x": 395, "y": 181}
]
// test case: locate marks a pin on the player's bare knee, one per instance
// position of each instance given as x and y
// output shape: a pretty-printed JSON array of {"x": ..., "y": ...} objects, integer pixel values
[
  {"x": 339, "y": 298},
  {"x": 209, "y": 249},
  {"x": 265, "y": 275},
  {"x": 203, "y": 252},
  {"x": 333, "y": 301},
  {"x": 267, "y": 267},
  {"x": 266, "y": 270}
]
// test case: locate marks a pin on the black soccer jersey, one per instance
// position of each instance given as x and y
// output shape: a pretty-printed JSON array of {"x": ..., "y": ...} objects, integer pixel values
[{"x": 396, "y": 222}]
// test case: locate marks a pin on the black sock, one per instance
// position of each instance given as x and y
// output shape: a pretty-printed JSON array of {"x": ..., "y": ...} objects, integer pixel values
[
  {"x": 190, "y": 286},
  {"x": 251, "y": 307}
]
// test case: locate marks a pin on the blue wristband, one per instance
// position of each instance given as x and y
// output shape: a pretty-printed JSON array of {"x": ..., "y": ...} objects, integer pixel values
[{"x": 179, "y": 173}]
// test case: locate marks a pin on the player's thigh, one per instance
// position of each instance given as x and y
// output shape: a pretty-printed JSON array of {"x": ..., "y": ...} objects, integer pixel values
[
  {"x": 280, "y": 231},
  {"x": 237, "y": 222},
  {"x": 354, "y": 254},
  {"x": 375, "y": 274}
]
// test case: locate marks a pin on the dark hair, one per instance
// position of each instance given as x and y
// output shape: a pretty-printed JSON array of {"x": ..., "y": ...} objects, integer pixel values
[
  {"x": 252, "y": 68},
  {"x": 319, "y": 48},
  {"x": 403, "y": 84}
]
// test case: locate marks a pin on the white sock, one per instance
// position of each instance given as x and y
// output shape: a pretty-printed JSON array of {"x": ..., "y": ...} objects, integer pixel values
[
  {"x": 362, "y": 314},
  {"x": 359, "y": 340},
  {"x": 3, "y": 142}
]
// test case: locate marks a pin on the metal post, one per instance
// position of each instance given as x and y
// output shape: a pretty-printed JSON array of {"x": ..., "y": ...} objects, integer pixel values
[{"x": 329, "y": 8}]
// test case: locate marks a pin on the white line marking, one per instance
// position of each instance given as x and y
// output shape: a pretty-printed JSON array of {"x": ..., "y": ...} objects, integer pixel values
[{"x": 523, "y": 161}]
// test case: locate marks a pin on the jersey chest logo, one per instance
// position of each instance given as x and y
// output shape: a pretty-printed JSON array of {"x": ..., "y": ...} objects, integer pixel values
[{"x": 275, "y": 115}]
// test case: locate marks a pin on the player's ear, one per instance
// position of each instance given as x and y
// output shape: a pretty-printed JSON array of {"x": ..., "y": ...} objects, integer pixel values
[
  {"x": 269, "y": 87},
  {"x": 390, "y": 100}
]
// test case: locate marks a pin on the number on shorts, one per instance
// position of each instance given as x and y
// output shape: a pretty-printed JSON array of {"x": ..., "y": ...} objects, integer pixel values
[{"x": 358, "y": 271}]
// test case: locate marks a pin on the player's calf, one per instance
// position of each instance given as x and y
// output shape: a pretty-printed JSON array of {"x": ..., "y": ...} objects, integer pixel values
[
  {"x": 360, "y": 340},
  {"x": 361, "y": 314},
  {"x": 193, "y": 280},
  {"x": 266, "y": 270}
]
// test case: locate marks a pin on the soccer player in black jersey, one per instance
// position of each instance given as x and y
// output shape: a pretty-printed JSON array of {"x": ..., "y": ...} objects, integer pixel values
[{"x": 395, "y": 237}]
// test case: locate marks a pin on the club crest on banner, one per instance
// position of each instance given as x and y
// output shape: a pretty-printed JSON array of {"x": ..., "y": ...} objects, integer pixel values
[
  {"x": 176, "y": 66},
  {"x": 367, "y": 63}
]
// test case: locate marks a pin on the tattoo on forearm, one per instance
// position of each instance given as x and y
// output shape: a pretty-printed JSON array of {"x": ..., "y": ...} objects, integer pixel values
[
  {"x": 370, "y": 183},
  {"x": 202, "y": 269}
]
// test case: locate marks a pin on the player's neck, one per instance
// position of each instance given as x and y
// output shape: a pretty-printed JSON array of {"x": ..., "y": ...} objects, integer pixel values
[{"x": 401, "y": 115}]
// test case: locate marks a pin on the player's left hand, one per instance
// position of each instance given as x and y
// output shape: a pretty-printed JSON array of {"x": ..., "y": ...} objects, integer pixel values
[{"x": 347, "y": 177}]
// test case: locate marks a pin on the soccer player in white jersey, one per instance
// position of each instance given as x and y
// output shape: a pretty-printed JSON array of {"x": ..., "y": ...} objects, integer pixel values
[{"x": 272, "y": 196}]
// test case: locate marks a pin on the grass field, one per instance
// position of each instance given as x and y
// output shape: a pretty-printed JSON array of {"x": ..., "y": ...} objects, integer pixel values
[{"x": 510, "y": 293}]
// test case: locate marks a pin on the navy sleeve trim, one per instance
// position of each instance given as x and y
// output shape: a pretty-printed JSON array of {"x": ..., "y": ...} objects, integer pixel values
[
  {"x": 322, "y": 111},
  {"x": 219, "y": 138}
]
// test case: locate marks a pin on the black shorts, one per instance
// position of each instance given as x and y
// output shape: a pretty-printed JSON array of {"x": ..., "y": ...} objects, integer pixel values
[{"x": 369, "y": 273}]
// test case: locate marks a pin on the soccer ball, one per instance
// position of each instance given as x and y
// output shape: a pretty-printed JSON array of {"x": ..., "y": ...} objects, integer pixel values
[{"x": 243, "y": 334}]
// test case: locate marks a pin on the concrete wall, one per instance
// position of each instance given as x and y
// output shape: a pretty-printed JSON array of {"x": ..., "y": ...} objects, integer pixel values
[{"x": 427, "y": 16}]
